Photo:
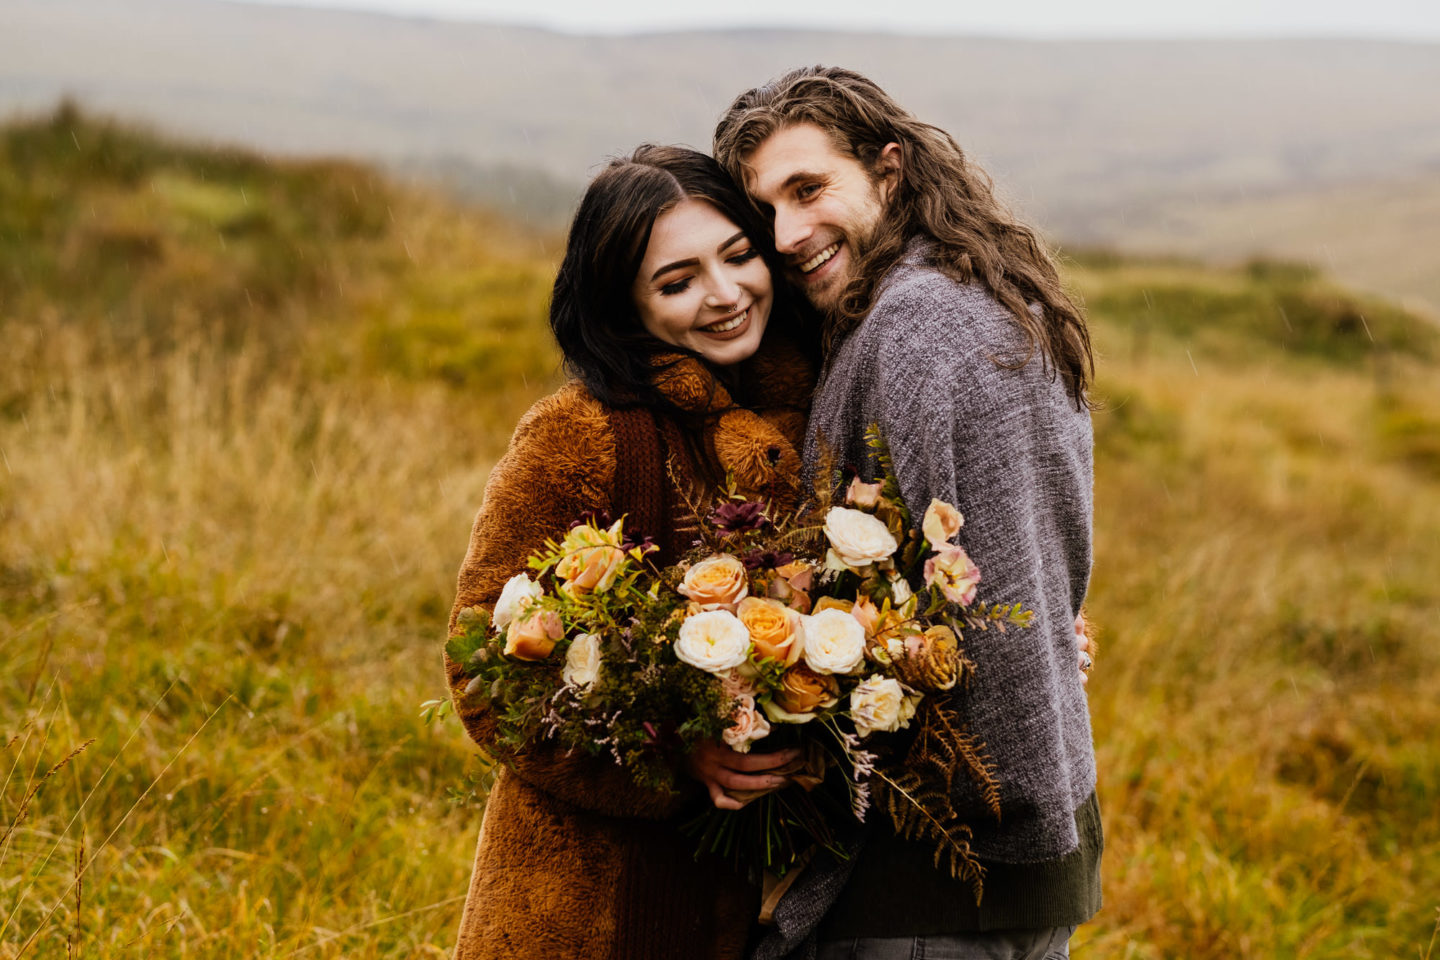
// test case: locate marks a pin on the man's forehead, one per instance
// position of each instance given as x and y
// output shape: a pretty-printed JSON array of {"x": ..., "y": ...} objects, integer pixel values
[{"x": 790, "y": 153}]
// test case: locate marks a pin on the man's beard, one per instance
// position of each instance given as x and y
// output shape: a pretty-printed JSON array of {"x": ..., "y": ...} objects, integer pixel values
[{"x": 828, "y": 299}]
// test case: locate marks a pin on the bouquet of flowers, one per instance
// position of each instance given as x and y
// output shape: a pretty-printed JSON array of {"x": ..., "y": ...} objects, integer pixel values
[{"x": 830, "y": 629}]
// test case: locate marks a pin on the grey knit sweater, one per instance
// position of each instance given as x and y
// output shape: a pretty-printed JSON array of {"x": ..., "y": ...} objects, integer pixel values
[{"x": 1009, "y": 448}]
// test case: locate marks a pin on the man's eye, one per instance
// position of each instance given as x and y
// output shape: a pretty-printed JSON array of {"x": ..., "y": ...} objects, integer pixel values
[
  {"x": 674, "y": 287},
  {"x": 807, "y": 191}
]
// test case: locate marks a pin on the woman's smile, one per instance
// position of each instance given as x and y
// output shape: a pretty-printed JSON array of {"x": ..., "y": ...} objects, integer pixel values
[{"x": 702, "y": 285}]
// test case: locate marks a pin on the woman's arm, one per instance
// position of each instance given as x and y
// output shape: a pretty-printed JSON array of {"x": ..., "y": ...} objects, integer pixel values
[{"x": 560, "y": 466}]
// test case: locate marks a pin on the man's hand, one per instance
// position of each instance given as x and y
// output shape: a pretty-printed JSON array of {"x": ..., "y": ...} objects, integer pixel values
[
  {"x": 1085, "y": 646},
  {"x": 722, "y": 769}
]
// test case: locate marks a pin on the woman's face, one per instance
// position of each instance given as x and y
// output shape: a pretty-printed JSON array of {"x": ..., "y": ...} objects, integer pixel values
[{"x": 703, "y": 285}]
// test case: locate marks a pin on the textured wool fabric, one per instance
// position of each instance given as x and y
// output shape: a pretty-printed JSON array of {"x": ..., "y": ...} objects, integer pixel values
[
  {"x": 1008, "y": 448},
  {"x": 575, "y": 861}
]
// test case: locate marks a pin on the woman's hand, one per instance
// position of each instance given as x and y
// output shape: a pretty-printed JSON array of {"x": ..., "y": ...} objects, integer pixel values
[{"x": 722, "y": 769}]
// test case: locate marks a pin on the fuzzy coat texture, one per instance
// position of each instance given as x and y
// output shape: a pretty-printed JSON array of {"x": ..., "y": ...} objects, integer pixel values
[{"x": 574, "y": 860}]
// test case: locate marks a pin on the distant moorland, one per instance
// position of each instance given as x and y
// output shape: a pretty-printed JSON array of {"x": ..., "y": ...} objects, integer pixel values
[
  {"x": 246, "y": 414},
  {"x": 1324, "y": 151}
]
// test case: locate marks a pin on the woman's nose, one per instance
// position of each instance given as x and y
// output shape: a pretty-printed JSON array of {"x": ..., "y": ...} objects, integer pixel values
[{"x": 722, "y": 293}]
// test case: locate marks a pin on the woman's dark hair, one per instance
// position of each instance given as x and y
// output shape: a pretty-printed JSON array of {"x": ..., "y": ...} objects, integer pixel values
[{"x": 592, "y": 309}]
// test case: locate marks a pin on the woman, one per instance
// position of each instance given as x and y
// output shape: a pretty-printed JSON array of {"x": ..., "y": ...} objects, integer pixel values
[{"x": 675, "y": 333}]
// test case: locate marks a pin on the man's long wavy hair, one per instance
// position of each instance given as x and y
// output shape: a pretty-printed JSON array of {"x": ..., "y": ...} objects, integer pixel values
[{"x": 939, "y": 195}]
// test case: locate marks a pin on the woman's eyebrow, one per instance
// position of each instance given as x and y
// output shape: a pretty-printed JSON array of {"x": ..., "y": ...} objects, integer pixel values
[{"x": 681, "y": 264}]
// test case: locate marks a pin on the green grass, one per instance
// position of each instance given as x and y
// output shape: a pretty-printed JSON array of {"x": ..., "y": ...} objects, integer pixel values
[{"x": 244, "y": 426}]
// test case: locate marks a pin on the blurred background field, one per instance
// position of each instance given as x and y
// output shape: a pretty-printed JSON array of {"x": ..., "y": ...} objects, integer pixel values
[{"x": 246, "y": 413}]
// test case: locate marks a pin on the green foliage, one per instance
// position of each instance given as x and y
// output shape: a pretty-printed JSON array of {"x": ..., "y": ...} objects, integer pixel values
[{"x": 1270, "y": 306}]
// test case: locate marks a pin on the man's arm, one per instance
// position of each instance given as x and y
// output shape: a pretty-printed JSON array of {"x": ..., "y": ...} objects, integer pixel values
[{"x": 1009, "y": 450}]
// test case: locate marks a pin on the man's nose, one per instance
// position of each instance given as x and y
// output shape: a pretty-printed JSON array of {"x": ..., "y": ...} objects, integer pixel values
[{"x": 791, "y": 231}]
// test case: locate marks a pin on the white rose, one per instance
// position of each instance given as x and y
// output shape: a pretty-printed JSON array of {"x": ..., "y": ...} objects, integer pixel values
[
  {"x": 858, "y": 538},
  {"x": 713, "y": 641},
  {"x": 880, "y": 704},
  {"x": 520, "y": 591},
  {"x": 834, "y": 642},
  {"x": 582, "y": 661},
  {"x": 747, "y": 725}
]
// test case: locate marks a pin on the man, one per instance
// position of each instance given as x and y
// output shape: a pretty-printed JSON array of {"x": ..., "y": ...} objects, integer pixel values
[{"x": 946, "y": 325}]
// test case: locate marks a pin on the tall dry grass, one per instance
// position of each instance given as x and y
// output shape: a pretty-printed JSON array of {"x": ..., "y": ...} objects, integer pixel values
[{"x": 229, "y": 527}]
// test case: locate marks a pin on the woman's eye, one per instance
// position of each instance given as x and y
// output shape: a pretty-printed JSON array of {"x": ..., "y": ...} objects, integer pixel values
[
  {"x": 745, "y": 256},
  {"x": 674, "y": 287}
]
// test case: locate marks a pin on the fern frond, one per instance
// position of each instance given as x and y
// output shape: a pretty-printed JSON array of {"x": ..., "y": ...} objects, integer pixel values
[{"x": 921, "y": 812}]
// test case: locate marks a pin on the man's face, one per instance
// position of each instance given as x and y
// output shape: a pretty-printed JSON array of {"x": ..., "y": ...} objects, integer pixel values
[{"x": 824, "y": 205}]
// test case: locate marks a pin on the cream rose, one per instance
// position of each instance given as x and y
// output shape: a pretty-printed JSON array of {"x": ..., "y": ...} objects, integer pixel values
[
  {"x": 880, "y": 704},
  {"x": 713, "y": 641},
  {"x": 746, "y": 725},
  {"x": 858, "y": 538},
  {"x": 520, "y": 591},
  {"x": 534, "y": 636},
  {"x": 582, "y": 661},
  {"x": 716, "y": 583},
  {"x": 941, "y": 522},
  {"x": 952, "y": 570},
  {"x": 834, "y": 642},
  {"x": 802, "y": 692},
  {"x": 774, "y": 629}
]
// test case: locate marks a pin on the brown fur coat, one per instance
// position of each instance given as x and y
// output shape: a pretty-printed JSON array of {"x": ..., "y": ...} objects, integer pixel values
[{"x": 575, "y": 861}]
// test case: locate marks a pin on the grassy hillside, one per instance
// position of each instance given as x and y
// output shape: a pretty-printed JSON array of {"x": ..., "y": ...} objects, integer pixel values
[{"x": 245, "y": 422}]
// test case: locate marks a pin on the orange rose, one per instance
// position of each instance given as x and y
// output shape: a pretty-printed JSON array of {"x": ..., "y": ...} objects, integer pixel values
[
  {"x": 774, "y": 629},
  {"x": 718, "y": 582},
  {"x": 534, "y": 637},
  {"x": 804, "y": 691}
]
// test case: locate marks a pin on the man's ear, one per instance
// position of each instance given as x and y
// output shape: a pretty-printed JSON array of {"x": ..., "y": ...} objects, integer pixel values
[{"x": 888, "y": 165}]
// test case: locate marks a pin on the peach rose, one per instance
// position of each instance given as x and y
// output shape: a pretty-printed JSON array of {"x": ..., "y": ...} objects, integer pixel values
[
  {"x": 952, "y": 570},
  {"x": 746, "y": 725},
  {"x": 802, "y": 692},
  {"x": 592, "y": 559},
  {"x": 834, "y": 603},
  {"x": 863, "y": 495},
  {"x": 878, "y": 627},
  {"x": 774, "y": 629},
  {"x": 941, "y": 522},
  {"x": 716, "y": 583},
  {"x": 533, "y": 637}
]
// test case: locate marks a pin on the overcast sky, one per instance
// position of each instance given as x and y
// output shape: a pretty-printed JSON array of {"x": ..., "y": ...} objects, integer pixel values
[{"x": 1393, "y": 19}]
